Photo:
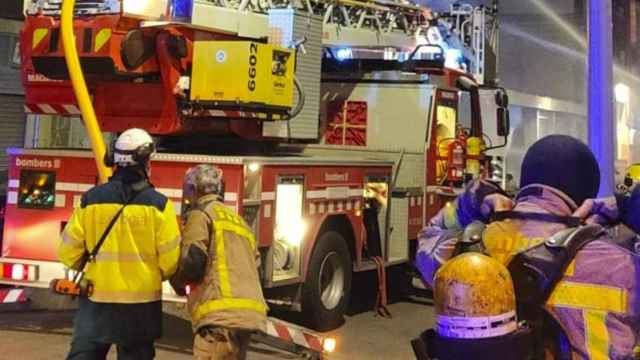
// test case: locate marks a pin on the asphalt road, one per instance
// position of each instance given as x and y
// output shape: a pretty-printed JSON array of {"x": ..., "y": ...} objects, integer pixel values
[{"x": 40, "y": 335}]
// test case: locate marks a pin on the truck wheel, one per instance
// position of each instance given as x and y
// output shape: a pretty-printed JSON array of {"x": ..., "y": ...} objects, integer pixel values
[{"x": 325, "y": 293}]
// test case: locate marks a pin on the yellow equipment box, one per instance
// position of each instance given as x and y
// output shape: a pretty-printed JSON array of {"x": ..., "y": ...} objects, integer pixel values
[{"x": 243, "y": 73}]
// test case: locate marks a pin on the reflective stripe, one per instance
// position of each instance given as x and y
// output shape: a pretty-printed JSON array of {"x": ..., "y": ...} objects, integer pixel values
[
  {"x": 228, "y": 304},
  {"x": 228, "y": 222},
  {"x": 125, "y": 296},
  {"x": 170, "y": 246},
  {"x": 571, "y": 269},
  {"x": 596, "y": 301},
  {"x": 596, "y": 334},
  {"x": 474, "y": 327},
  {"x": 451, "y": 216},
  {"x": 107, "y": 256},
  {"x": 239, "y": 230},
  {"x": 223, "y": 271},
  {"x": 101, "y": 39},
  {"x": 70, "y": 240},
  {"x": 589, "y": 296}
]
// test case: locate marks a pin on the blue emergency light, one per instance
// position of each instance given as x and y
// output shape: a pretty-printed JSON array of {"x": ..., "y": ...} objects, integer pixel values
[
  {"x": 344, "y": 54},
  {"x": 181, "y": 10}
]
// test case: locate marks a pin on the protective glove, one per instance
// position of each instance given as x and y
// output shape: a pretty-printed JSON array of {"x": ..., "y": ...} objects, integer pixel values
[
  {"x": 479, "y": 201},
  {"x": 603, "y": 211}
]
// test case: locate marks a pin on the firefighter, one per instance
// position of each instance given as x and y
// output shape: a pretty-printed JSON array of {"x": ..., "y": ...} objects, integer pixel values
[
  {"x": 219, "y": 266},
  {"x": 141, "y": 250},
  {"x": 596, "y": 298}
]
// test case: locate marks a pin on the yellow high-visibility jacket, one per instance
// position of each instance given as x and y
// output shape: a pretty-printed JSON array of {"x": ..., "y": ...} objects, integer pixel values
[{"x": 140, "y": 252}]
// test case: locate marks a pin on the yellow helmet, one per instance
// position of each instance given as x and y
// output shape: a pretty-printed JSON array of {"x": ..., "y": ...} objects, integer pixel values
[
  {"x": 474, "y": 298},
  {"x": 632, "y": 177}
]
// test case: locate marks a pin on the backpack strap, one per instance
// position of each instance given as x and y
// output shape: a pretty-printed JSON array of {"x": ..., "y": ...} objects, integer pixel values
[
  {"x": 623, "y": 236},
  {"x": 536, "y": 271}
]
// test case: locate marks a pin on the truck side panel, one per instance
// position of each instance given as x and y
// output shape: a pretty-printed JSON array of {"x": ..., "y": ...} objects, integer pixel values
[{"x": 31, "y": 231}]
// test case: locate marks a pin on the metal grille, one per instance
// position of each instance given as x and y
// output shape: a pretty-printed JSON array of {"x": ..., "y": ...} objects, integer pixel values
[
  {"x": 83, "y": 7},
  {"x": 398, "y": 244}
]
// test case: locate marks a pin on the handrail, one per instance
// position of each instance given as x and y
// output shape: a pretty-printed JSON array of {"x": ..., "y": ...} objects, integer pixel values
[{"x": 80, "y": 89}]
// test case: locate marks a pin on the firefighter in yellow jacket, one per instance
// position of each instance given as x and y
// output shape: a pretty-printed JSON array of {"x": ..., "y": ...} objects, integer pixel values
[
  {"x": 139, "y": 252},
  {"x": 219, "y": 265}
]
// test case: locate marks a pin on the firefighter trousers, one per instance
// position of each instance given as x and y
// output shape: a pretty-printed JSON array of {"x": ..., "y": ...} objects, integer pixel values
[
  {"x": 86, "y": 349},
  {"x": 221, "y": 344}
]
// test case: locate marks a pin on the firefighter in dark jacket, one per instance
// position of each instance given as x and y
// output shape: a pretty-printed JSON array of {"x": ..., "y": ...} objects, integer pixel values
[
  {"x": 593, "y": 301},
  {"x": 140, "y": 251},
  {"x": 219, "y": 262}
]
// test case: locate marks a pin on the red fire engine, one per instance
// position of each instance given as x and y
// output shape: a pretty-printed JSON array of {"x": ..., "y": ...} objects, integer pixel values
[{"x": 340, "y": 126}]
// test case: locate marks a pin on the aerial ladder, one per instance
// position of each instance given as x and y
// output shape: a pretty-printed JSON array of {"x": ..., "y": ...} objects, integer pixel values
[{"x": 148, "y": 48}]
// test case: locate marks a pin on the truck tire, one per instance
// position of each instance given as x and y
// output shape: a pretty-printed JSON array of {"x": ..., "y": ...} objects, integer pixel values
[{"x": 327, "y": 288}]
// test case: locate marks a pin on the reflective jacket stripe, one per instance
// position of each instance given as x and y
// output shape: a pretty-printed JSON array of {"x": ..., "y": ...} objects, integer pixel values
[
  {"x": 231, "y": 223},
  {"x": 106, "y": 256},
  {"x": 589, "y": 296},
  {"x": 223, "y": 271},
  {"x": 596, "y": 334},
  {"x": 239, "y": 230},
  {"x": 596, "y": 301},
  {"x": 228, "y": 304},
  {"x": 125, "y": 296}
]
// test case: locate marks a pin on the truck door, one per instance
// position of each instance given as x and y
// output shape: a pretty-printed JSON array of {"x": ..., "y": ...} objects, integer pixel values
[{"x": 439, "y": 160}]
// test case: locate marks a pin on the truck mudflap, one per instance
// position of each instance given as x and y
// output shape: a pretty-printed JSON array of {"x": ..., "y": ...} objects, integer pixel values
[{"x": 295, "y": 339}]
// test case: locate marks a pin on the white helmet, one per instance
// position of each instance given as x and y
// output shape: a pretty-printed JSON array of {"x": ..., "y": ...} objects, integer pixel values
[{"x": 133, "y": 147}]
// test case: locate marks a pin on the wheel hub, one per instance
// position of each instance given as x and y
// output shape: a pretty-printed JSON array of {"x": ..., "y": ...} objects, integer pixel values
[{"x": 331, "y": 281}]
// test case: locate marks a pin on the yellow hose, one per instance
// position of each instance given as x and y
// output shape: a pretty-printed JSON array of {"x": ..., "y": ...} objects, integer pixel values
[{"x": 80, "y": 89}]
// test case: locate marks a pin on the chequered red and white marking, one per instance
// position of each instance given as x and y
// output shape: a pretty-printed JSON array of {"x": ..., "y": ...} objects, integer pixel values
[
  {"x": 10, "y": 296},
  {"x": 292, "y": 334},
  {"x": 52, "y": 109}
]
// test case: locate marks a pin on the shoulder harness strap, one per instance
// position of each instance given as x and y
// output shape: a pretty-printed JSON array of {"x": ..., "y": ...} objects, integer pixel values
[
  {"x": 536, "y": 271},
  {"x": 625, "y": 237}
]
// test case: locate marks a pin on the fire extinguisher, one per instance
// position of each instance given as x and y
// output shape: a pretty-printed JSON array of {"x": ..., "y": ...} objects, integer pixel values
[{"x": 456, "y": 162}]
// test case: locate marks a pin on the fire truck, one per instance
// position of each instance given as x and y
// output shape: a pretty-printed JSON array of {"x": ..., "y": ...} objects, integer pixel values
[{"x": 340, "y": 126}]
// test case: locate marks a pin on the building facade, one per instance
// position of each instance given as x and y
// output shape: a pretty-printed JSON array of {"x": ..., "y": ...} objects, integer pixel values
[{"x": 12, "y": 115}]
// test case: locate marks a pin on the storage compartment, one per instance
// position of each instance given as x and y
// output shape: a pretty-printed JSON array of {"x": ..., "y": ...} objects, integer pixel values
[{"x": 242, "y": 74}]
